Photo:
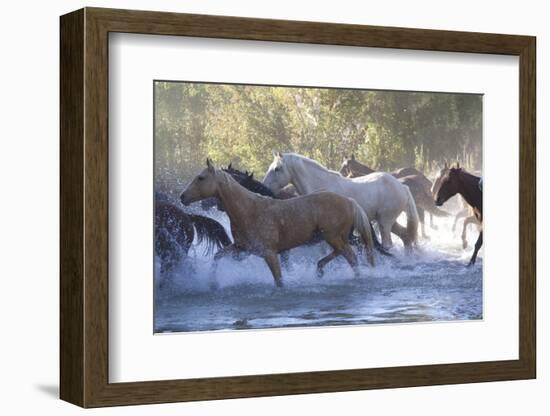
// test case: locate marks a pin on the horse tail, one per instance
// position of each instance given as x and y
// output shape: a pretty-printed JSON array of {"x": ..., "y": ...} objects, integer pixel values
[
  {"x": 356, "y": 240},
  {"x": 210, "y": 231},
  {"x": 363, "y": 226},
  {"x": 412, "y": 218},
  {"x": 378, "y": 245}
]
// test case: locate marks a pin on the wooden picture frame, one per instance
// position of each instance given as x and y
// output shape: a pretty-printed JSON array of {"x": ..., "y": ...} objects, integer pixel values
[{"x": 84, "y": 207}]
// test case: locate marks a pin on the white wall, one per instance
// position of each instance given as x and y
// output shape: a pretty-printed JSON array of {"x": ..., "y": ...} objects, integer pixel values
[{"x": 29, "y": 205}]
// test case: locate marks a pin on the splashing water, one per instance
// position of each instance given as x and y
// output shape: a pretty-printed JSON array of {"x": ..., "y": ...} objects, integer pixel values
[{"x": 432, "y": 284}]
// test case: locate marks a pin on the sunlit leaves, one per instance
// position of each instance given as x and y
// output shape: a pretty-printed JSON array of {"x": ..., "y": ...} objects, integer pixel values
[{"x": 243, "y": 124}]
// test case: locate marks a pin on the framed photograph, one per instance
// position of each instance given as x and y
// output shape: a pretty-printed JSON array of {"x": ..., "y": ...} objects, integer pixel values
[{"x": 255, "y": 207}]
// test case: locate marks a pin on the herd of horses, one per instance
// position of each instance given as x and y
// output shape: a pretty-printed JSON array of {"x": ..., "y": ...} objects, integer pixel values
[{"x": 301, "y": 202}]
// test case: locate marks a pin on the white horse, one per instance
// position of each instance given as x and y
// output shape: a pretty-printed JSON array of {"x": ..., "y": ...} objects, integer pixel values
[{"x": 382, "y": 196}]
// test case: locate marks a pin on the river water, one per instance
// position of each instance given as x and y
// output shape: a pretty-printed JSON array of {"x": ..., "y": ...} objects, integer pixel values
[{"x": 430, "y": 285}]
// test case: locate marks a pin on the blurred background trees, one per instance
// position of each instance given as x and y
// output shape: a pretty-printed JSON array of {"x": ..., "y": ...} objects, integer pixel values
[{"x": 243, "y": 124}]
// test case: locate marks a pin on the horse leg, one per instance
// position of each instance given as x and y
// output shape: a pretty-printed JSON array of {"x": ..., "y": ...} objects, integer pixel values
[
  {"x": 461, "y": 214},
  {"x": 272, "y": 260},
  {"x": 323, "y": 262},
  {"x": 432, "y": 224},
  {"x": 385, "y": 234},
  {"x": 422, "y": 218},
  {"x": 350, "y": 256},
  {"x": 401, "y": 232},
  {"x": 479, "y": 242},
  {"x": 339, "y": 245},
  {"x": 470, "y": 220}
]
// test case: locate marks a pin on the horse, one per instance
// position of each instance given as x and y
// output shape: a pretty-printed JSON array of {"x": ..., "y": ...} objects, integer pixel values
[
  {"x": 247, "y": 180},
  {"x": 351, "y": 168},
  {"x": 418, "y": 184},
  {"x": 458, "y": 181},
  {"x": 265, "y": 227},
  {"x": 381, "y": 195},
  {"x": 423, "y": 200},
  {"x": 176, "y": 229},
  {"x": 465, "y": 210}
]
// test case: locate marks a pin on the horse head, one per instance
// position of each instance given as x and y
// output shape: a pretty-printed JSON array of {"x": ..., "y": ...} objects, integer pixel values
[
  {"x": 449, "y": 185},
  {"x": 278, "y": 174},
  {"x": 349, "y": 166},
  {"x": 204, "y": 185}
]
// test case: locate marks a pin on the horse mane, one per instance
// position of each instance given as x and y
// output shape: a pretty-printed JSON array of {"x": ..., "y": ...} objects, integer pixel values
[
  {"x": 310, "y": 162},
  {"x": 247, "y": 180},
  {"x": 467, "y": 175},
  {"x": 233, "y": 184}
]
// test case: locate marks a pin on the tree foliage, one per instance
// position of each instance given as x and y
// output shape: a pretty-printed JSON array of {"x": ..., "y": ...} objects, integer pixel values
[{"x": 243, "y": 124}]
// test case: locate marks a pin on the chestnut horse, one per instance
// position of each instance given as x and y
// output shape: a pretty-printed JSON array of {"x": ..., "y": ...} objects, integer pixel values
[
  {"x": 458, "y": 181},
  {"x": 265, "y": 227}
]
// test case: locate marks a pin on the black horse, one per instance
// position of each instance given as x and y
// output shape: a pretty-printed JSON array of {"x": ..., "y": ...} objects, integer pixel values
[
  {"x": 176, "y": 229},
  {"x": 458, "y": 181},
  {"x": 245, "y": 179}
]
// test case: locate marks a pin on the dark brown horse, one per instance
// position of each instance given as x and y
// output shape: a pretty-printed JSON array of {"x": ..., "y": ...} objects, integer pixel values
[
  {"x": 176, "y": 229},
  {"x": 465, "y": 211},
  {"x": 418, "y": 184},
  {"x": 458, "y": 181}
]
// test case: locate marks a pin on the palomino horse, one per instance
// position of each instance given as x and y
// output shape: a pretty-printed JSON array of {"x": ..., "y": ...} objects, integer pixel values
[
  {"x": 266, "y": 227},
  {"x": 465, "y": 211},
  {"x": 418, "y": 184},
  {"x": 247, "y": 180},
  {"x": 458, "y": 181},
  {"x": 176, "y": 229},
  {"x": 381, "y": 195}
]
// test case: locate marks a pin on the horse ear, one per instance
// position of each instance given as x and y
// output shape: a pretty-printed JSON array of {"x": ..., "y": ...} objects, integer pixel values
[
  {"x": 457, "y": 165},
  {"x": 230, "y": 166},
  {"x": 210, "y": 165},
  {"x": 352, "y": 156},
  {"x": 446, "y": 166}
]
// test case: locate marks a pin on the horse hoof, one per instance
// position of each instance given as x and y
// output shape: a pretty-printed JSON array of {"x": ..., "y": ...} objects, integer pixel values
[
  {"x": 320, "y": 273},
  {"x": 464, "y": 245}
]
